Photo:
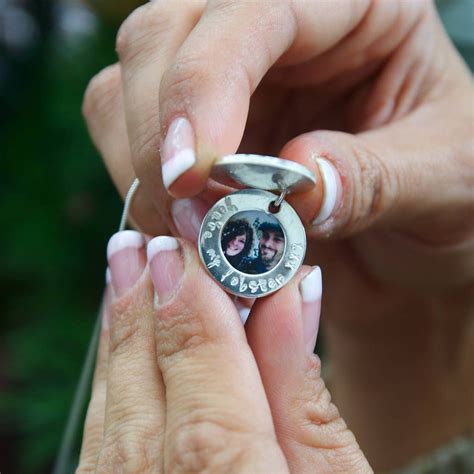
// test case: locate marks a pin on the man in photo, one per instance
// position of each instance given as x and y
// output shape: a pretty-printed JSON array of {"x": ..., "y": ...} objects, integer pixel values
[{"x": 270, "y": 250}]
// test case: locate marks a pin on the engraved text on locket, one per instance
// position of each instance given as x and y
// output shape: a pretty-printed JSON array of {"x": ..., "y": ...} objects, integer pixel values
[{"x": 252, "y": 241}]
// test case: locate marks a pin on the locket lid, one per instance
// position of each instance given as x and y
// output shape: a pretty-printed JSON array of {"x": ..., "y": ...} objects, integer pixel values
[{"x": 263, "y": 172}]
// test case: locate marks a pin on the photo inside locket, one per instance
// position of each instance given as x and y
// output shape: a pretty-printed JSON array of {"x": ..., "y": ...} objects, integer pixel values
[{"x": 253, "y": 242}]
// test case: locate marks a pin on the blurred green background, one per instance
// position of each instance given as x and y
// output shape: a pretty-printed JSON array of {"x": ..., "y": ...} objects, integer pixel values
[{"x": 58, "y": 209}]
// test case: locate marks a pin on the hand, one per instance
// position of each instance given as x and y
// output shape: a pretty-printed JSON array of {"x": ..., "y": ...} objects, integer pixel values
[
  {"x": 391, "y": 223},
  {"x": 179, "y": 389}
]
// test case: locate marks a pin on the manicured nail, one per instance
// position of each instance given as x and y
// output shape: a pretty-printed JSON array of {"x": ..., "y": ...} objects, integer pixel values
[
  {"x": 311, "y": 288},
  {"x": 177, "y": 153},
  {"x": 188, "y": 215},
  {"x": 244, "y": 314},
  {"x": 126, "y": 256},
  {"x": 243, "y": 310},
  {"x": 166, "y": 266},
  {"x": 105, "y": 310},
  {"x": 332, "y": 190},
  {"x": 106, "y": 300}
]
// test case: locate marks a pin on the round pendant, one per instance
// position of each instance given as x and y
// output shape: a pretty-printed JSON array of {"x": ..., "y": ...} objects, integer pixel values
[
  {"x": 250, "y": 250},
  {"x": 263, "y": 172}
]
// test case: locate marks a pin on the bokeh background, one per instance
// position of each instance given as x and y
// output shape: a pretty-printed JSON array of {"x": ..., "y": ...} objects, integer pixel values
[{"x": 58, "y": 208}]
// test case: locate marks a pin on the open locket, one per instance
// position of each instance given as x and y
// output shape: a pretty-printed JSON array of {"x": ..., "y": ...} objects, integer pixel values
[{"x": 252, "y": 241}]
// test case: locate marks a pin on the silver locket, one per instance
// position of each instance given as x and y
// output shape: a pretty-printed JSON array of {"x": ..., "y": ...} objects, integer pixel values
[{"x": 252, "y": 241}]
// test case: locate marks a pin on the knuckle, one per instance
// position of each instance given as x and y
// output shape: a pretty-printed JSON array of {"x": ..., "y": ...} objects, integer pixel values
[
  {"x": 132, "y": 439},
  {"x": 181, "y": 335},
  {"x": 124, "y": 337},
  {"x": 146, "y": 140},
  {"x": 314, "y": 401},
  {"x": 101, "y": 93},
  {"x": 128, "y": 328},
  {"x": 374, "y": 186},
  {"x": 137, "y": 34},
  {"x": 203, "y": 446},
  {"x": 132, "y": 28},
  {"x": 127, "y": 454},
  {"x": 323, "y": 428},
  {"x": 180, "y": 81}
]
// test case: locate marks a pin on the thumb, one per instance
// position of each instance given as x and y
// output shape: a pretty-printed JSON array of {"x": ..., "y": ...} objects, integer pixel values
[
  {"x": 394, "y": 175},
  {"x": 282, "y": 332}
]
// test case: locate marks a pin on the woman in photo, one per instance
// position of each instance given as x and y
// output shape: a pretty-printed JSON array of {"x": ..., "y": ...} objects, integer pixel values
[{"x": 237, "y": 240}]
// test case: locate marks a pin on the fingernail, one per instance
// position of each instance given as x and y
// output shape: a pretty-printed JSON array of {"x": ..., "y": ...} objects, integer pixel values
[
  {"x": 126, "y": 256},
  {"x": 177, "y": 153},
  {"x": 244, "y": 314},
  {"x": 243, "y": 310},
  {"x": 166, "y": 266},
  {"x": 332, "y": 190},
  {"x": 188, "y": 215},
  {"x": 106, "y": 301},
  {"x": 311, "y": 288}
]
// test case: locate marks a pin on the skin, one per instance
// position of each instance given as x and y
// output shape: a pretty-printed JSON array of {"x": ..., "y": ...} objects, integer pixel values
[
  {"x": 272, "y": 245},
  {"x": 245, "y": 392},
  {"x": 379, "y": 91},
  {"x": 236, "y": 245}
]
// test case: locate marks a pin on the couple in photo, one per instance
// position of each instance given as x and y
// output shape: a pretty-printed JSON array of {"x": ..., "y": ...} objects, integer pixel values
[{"x": 238, "y": 243}]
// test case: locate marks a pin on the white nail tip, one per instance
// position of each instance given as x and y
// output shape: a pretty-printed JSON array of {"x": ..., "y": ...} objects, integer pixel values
[
  {"x": 244, "y": 314},
  {"x": 176, "y": 166},
  {"x": 108, "y": 277},
  {"x": 124, "y": 239},
  {"x": 156, "y": 300},
  {"x": 311, "y": 286},
  {"x": 163, "y": 243},
  {"x": 330, "y": 180}
]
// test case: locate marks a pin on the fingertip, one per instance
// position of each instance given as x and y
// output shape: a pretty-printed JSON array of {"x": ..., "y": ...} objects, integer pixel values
[
  {"x": 191, "y": 181},
  {"x": 299, "y": 151},
  {"x": 326, "y": 157},
  {"x": 177, "y": 166},
  {"x": 184, "y": 170},
  {"x": 276, "y": 325},
  {"x": 178, "y": 154}
]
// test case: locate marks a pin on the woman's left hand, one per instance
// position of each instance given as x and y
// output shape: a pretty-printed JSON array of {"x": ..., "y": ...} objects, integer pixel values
[{"x": 181, "y": 386}]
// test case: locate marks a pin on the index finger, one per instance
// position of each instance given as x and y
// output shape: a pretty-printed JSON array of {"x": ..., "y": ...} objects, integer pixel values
[
  {"x": 217, "y": 413},
  {"x": 205, "y": 85}
]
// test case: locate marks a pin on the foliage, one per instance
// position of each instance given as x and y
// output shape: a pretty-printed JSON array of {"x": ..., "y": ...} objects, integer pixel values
[{"x": 59, "y": 208}]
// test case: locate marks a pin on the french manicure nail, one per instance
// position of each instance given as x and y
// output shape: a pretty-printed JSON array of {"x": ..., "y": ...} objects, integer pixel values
[
  {"x": 126, "y": 257},
  {"x": 166, "y": 266},
  {"x": 188, "y": 215},
  {"x": 332, "y": 190},
  {"x": 105, "y": 310},
  {"x": 311, "y": 288},
  {"x": 106, "y": 300},
  {"x": 244, "y": 314},
  {"x": 177, "y": 153},
  {"x": 243, "y": 310}
]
